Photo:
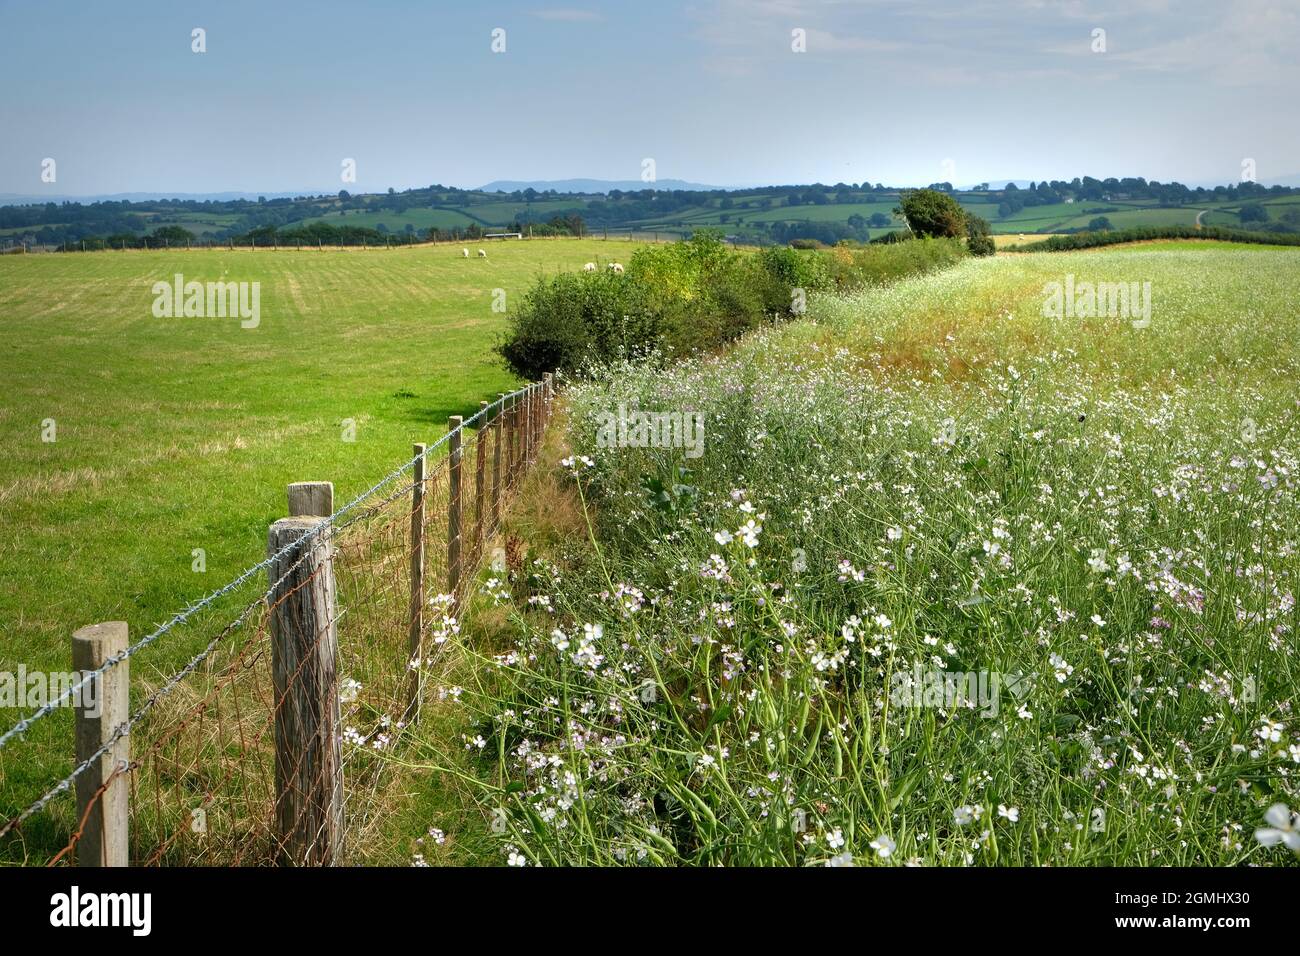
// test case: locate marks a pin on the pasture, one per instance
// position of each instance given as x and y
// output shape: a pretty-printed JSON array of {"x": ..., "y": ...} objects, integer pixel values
[{"x": 176, "y": 434}]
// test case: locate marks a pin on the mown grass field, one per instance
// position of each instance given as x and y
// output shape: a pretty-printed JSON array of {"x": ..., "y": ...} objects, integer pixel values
[
  {"x": 177, "y": 434},
  {"x": 728, "y": 659}
]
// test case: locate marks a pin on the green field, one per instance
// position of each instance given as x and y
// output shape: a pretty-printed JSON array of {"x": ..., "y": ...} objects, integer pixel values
[
  {"x": 176, "y": 434},
  {"x": 904, "y": 429}
]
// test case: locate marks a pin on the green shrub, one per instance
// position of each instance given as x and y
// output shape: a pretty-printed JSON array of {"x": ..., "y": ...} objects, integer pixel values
[
  {"x": 1089, "y": 240},
  {"x": 852, "y": 268},
  {"x": 570, "y": 319},
  {"x": 793, "y": 269},
  {"x": 932, "y": 213},
  {"x": 691, "y": 296},
  {"x": 979, "y": 242}
]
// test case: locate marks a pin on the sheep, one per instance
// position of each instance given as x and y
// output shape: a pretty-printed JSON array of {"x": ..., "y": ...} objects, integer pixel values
[
  {"x": 589, "y": 267},
  {"x": 465, "y": 253},
  {"x": 482, "y": 254},
  {"x": 616, "y": 267}
]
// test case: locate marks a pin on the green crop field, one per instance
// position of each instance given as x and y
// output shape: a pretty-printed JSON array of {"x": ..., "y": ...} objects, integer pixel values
[{"x": 176, "y": 434}]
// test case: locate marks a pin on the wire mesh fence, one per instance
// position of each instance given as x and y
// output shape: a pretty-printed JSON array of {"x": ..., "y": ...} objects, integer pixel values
[{"x": 270, "y": 745}]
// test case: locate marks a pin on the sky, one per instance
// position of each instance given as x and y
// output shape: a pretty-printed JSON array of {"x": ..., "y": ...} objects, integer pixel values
[{"x": 713, "y": 91}]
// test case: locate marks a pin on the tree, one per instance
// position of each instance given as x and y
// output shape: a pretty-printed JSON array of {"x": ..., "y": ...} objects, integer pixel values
[
  {"x": 1100, "y": 224},
  {"x": 878, "y": 220},
  {"x": 1254, "y": 213},
  {"x": 978, "y": 239},
  {"x": 173, "y": 234},
  {"x": 932, "y": 213}
]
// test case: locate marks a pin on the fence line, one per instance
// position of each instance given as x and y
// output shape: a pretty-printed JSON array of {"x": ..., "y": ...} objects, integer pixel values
[{"x": 244, "y": 753}]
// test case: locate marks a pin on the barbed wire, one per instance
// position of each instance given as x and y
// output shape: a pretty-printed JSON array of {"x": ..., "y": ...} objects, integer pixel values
[
  {"x": 189, "y": 611},
  {"x": 354, "y": 513}
]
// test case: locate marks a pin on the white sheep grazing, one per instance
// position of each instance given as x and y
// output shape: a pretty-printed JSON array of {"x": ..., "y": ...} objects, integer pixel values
[
  {"x": 589, "y": 267},
  {"x": 482, "y": 254},
  {"x": 465, "y": 253},
  {"x": 616, "y": 267}
]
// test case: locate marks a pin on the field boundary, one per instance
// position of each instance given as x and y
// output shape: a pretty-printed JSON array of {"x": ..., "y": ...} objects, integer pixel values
[{"x": 259, "y": 749}]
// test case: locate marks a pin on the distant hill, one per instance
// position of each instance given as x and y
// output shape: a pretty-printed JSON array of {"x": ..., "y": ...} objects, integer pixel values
[{"x": 593, "y": 185}]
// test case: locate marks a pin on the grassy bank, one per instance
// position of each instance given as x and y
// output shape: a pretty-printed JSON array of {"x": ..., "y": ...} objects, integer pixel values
[{"x": 750, "y": 656}]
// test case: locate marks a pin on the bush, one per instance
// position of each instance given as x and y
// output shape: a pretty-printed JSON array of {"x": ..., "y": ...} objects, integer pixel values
[
  {"x": 792, "y": 269},
  {"x": 1090, "y": 240},
  {"x": 879, "y": 264},
  {"x": 978, "y": 240},
  {"x": 571, "y": 319},
  {"x": 691, "y": 296},
  {"x": 932, "y": 213}
]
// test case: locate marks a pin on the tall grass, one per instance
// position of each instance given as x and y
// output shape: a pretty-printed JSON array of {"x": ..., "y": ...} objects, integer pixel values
[{"x": 732, "y": 659}]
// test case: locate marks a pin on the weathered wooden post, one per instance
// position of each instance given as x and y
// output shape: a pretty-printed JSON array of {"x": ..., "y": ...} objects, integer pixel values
[
  {"x": 453, "y": 506},
  {"x": 496, "y": 461},
  {"x": 416, "y": 637},
  {"x": 525, "y": 430},
  {"x": 103, "y": 711},
  {"x": 518, "y": 438},
  {"x": 508, "y": 410},
  {"x": 311, "y": 499},
  {"x": 532, "y": 423},
  {"x": 304, "y": 648},
  {"x": 480, "y": 463},
  {"x": 537, "y": 419}
]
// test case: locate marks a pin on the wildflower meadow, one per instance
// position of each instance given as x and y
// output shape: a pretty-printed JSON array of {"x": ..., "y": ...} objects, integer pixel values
[{"x": 954, "y": 581}]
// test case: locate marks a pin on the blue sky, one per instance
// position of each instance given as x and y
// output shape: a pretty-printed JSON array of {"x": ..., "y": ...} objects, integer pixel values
[{"x": 887, "y": 90}]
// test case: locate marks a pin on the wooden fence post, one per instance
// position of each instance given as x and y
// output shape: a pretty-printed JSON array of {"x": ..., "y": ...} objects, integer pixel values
[
  {"x": 311, "y": 499},
  {"x": 526, "y": 431},
  {"x": 537, "y": 420},
  {"x": 304, "y": 648},
  {"x": 453, "y": 506},
  {"x": 480, "y": 462},
  {"x": 519, "y": 437},
  {"x": 496, "y": 461},
  {"x": 104, "y": 838},
  {"x": 416, "y": 637},
  {"x": 509, "y": 412},
  {"x": 532, "y": 423},
  {"x": 516, "y": 439}
]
